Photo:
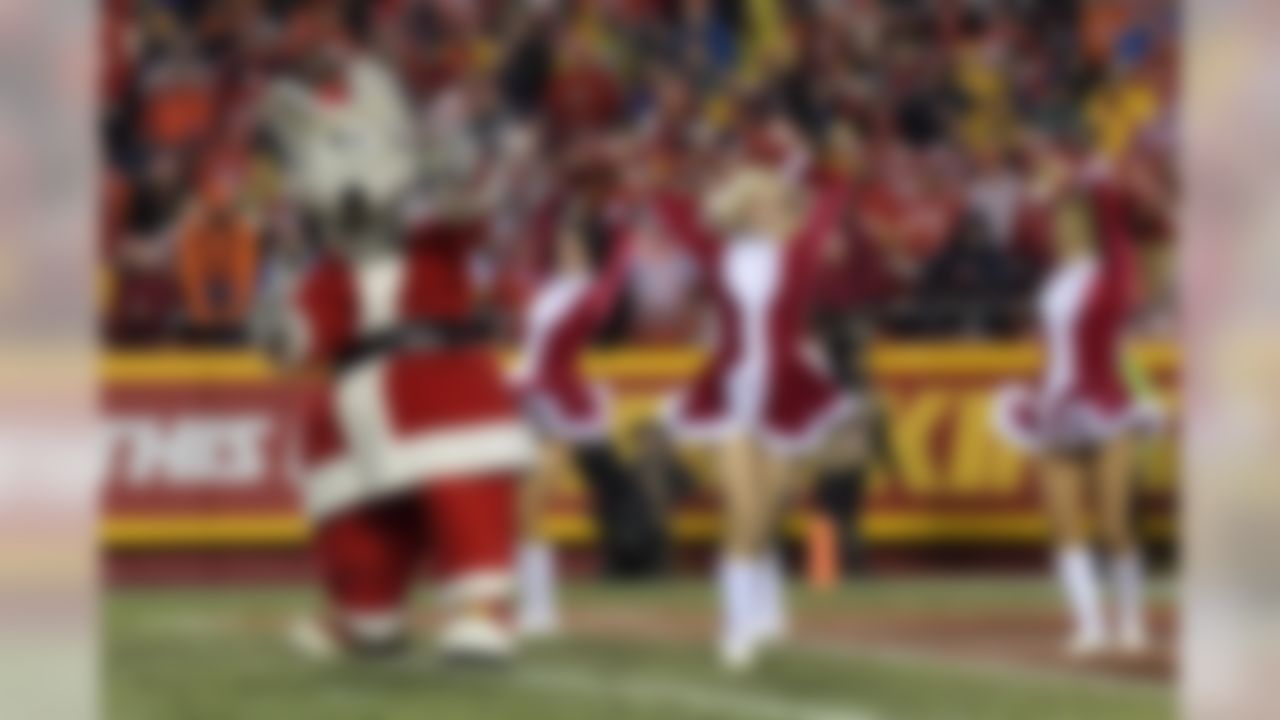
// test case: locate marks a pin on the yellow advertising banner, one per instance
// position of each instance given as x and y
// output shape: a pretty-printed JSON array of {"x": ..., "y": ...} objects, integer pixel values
[{"x": 946, "y": 477}]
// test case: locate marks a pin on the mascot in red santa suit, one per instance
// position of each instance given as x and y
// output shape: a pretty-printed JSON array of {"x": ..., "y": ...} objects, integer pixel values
[{"x": 411, "y": 450}]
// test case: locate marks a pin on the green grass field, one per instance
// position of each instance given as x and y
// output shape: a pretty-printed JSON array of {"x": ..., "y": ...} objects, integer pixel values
[{"x": 881, "y": 649}]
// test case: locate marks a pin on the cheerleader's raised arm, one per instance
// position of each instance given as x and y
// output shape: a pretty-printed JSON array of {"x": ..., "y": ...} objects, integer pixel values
[
  {"x": 823, "y": 220},
  {"x": 679, "y": 217}
]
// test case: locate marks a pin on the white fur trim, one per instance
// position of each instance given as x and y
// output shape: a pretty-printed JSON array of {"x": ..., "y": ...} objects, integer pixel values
[
  {"x": 331, "y": 487},
  {"x": 1075, "y": 423},
  {"x": 377, "y": 626},
  {"x": 361, "y": 413},
  {"x": 556, "y": 298},
  {"x": 549, "y": 419},
  {"x": 380, "y": 461},
  {"x": 476, "y": 448},
  {"x": 453, "y": 454},
  {"x": 1008, "y": 403},
  {"x": 379, "y": 284},
  {"x": 1087, "y": 424},
  {"x": 477, "y": 586},
  {"x": 296, "y": 343},
  {"x": 752, "y": 274},
  {"x": 750, "y": 270},
  {"x": 1060, "y": 305}
]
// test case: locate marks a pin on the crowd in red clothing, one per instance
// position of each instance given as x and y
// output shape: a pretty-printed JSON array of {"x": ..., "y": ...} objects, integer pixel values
[{"x": 942, "y": 115}]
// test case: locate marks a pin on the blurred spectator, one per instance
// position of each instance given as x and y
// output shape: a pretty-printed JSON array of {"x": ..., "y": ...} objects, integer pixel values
[
  {"x": 584, "y": 95},
  {"x": 1118, "y": 110},
  {"x": 144, "y": 307},
  {"x": 526, "y": 70},
  {"x": 911, "y": 208},
  {"x": 661, "y": 290},
  {"x": 705, "y": 44},
  {"x": 971, "y": 287},
  {"x": 179, "y": 106},
  {"x": 158, "y": 196},
  {"x": 996, "y": 196},
  {"x": 939, "y": 102},
  {"x": 986, "y": 122},
  {"x": 857, "y": 278},
  {"x": 218, "y": 265}
]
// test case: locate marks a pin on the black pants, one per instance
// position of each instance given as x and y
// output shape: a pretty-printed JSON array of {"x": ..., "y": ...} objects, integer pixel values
[
  {"x": 632, "y": 540},
  {"x": 841, "y": 494}
]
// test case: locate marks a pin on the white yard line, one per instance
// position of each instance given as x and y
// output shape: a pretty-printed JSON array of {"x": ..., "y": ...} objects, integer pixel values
[{"x": 662, "y": 693}]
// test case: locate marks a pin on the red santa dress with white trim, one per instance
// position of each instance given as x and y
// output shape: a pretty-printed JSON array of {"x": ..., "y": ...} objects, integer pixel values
[
  {"x": 1082, "y": 397},
  {"x": 402, "y": 419},
  {"x": 567, "y": 309},
  {"x": 762, "y": 379}
]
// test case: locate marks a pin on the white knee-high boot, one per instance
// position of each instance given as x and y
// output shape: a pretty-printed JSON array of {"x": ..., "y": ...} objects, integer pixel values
[
  {"x": 1127, "y": 586},
  {"x": 737, "y": 588},
  {"x": 772, "y": 622},
  {"x": 537, "y": 614},
  {"x": 1078, "y": 576}
]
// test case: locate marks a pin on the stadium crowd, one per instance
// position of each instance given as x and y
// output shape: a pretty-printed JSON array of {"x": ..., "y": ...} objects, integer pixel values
[{"x": 939, "y": 112}]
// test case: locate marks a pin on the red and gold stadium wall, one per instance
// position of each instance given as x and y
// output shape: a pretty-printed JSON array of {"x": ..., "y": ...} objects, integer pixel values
[{"x": 199, "y": 461}]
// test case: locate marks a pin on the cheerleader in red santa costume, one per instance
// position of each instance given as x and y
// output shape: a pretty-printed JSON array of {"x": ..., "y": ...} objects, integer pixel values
[
  {"x": 762, "y": 401},
  {"x": 1079, "y": 420},
  {"x": 569, "y": 413}
]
